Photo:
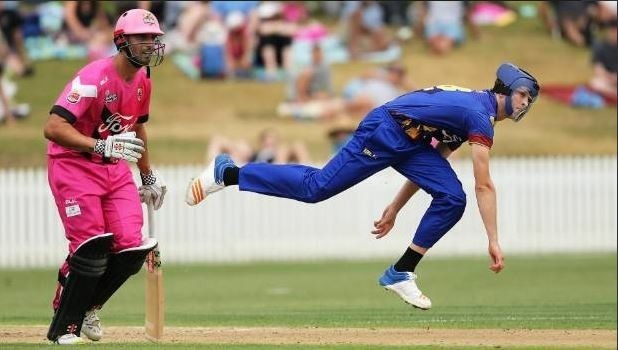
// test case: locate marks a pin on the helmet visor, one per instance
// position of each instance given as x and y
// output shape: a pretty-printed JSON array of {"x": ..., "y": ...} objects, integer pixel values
[{"x": 146, "y": 53}]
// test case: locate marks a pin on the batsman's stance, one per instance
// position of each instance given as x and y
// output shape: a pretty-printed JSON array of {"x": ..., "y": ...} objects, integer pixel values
[
  {"x": 94, "y": 128},
  {"x": 399, "y": 134}
]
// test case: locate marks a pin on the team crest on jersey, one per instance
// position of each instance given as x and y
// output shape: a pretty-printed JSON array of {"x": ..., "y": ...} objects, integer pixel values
[
  {"x": 149, "y": 18},
  {"x": 73, "y": 97},
  {"x": 140, "y": 93},
  {"x": 110, "y": 97}
]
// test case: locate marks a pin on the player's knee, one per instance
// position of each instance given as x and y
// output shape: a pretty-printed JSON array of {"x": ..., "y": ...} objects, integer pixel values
[
  {"x": 457, "y": 202},
  {"x": 318, "y": 194},
  {"x": 91, "y": 257}
]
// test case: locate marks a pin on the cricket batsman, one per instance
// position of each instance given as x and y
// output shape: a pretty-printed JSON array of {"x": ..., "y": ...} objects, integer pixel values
[{"x": 94, "y": 129}]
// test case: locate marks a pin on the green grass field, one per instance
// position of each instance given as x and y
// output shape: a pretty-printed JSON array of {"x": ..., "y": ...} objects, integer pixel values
[
  {"x": 562, "y": 292},
  {"x": 186, "y": 113},
  {"x": 541, "y": 292}
]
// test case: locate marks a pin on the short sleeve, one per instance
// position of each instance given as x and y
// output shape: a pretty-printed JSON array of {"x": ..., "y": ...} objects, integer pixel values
[
  {"x": 481, "y": 130},
  {"x": 75, "y": 99}
]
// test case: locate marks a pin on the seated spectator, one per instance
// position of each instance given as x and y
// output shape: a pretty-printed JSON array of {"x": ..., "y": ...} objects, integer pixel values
[
  {"x": 240, "y": 150},
  {"x": 238, "y": 46},
  {"x": 571, "y": 20},
  {"x": 9, "y": 112},
  {"x": 359, "y": 96},
  {"x": 364, "y": 28},
  {"x": 15, "y": 59},
  {"x": 310, "y": 94},
  {"x": 274, "y": 40},
  {"x": 443, "y": 24},
  {"x": 225, "y": 8},
  {"x": 375, "y": 88},
  {"x": 192, "y": 28},
  {"x": 314, "y": 81},
  {"x": 270, "y": 149},
  {"x": 85, "y": 22},
  {"x": 605, "y": 62}
]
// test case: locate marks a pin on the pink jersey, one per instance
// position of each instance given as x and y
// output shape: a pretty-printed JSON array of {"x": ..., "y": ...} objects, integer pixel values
[{"x": 99, "y": 103}]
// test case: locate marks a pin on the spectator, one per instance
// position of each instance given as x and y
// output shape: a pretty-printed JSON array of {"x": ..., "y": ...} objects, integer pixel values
[
  {"x": 239, "y": 150},
  {"x": 359, "y": 96},
  {"x": 274, "y": 40},
  {"x": 364, "y": 28},
  {"x": 87, "y": 23},
  {"x": 11, "y": 21},
  {"x": 238, "y": 45},
  {"x": 191, "y": 28},
  {"x": 225, "y": 8},
  {"x": 571, "y": 20},
  {"x": 8, "y": 111},
  {"x": 375, "y": 88},
  {"x": 605, "y": 63},
  {"x": 313, "y": 82},
  {"x": 270, "y": 149},
  {"x": 443, "y": 24}
]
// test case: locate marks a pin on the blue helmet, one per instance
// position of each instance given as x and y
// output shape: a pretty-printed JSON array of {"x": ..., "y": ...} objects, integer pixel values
[{"x": 510, "y": 78}]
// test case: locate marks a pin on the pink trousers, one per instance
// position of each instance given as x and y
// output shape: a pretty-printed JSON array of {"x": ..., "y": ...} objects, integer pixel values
[{"x": 93, "y": 199}]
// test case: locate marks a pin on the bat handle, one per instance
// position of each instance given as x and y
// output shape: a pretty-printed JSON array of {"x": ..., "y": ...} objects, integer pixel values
[{"x": 151, "y": 229}]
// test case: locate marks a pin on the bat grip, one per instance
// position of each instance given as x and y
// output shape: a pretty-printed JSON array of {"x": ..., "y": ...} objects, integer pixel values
[{"x": 151, "y": 229}]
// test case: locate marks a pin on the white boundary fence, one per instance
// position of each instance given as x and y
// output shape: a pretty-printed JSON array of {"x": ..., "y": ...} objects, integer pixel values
[{"x": 545, "y": 205}]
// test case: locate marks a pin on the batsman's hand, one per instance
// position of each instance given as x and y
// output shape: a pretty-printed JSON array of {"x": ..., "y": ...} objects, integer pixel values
[
  {"x": 152, "y": 190},
  {"x": 497, "y": 259},
  {"x": 384, "y": 225},
  {"x": 122, "y": 146}
]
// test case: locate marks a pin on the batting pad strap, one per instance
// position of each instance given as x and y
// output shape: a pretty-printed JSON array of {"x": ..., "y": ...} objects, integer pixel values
[
  {"x": 86, "y": 266},
  {"x": 121, "y": 266}
]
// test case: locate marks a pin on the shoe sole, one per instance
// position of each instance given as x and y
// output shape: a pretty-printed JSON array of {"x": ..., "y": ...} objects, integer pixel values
[
  {"x": 404, "y": 300},
  {"x": 196, "y": 191}
]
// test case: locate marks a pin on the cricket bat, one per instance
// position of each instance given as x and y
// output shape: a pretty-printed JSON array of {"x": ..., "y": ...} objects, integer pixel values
[{"x": 155, "y": 307}]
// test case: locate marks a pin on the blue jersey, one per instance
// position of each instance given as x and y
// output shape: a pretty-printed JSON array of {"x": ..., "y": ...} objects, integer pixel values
[{"x": 450, "y": 114}]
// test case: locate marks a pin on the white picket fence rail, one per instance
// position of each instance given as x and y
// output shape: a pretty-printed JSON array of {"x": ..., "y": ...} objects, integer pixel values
[{"x": 545, "y": 205}]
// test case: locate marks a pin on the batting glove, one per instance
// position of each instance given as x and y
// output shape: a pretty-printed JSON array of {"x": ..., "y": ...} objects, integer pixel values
[
  {"x": 153, "y": 189},
  {"x": 122, "y": 146}
]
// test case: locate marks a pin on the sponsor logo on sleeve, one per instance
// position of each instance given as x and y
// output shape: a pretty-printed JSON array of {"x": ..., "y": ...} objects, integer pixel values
[
  {"x": 79, "y": 90},
  {"x": 140, "y": 93},
  {"x": 73, "y": 97}
]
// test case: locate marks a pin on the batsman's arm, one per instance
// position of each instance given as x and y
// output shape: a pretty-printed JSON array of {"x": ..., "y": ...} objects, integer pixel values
[
  {"x": 60, "y": 131},
  {"x": 486, "y": 199},
  {"x": 144, "y": 162}
]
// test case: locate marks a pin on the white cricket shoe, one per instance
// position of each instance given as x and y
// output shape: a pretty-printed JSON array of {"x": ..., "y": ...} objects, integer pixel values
[
  {"x": 404, "y": 285},
  {"x": 69, "y": 339},
  {"x": 209, "y": 181},
  {"x": 91, "y": 327}
]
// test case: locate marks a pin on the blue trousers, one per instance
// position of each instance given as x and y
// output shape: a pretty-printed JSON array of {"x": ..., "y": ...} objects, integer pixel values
[{"x": 379, "y": 142}]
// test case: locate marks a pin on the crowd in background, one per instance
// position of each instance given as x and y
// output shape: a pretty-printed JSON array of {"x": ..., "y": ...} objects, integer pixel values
[{"x": 285, "y": 41}]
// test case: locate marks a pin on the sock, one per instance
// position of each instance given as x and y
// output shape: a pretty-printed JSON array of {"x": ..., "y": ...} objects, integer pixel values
[
  {"x": 230, "y": 175},
  {"x": 408, "y": 261}
]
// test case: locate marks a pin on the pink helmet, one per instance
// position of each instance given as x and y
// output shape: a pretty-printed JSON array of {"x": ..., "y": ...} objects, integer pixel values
[{"x": 137, "y": 21}]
